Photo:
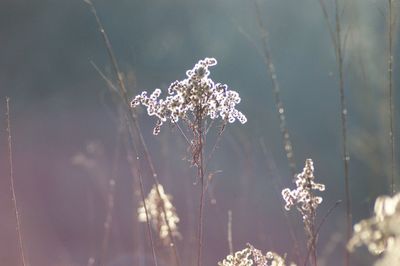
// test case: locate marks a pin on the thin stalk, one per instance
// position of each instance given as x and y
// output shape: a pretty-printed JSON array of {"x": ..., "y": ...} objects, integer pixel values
[
  {"x": 135, "y": 168},
  {"x": 337, "y": 44},
  {"x": 316, "y": 231},
  {"x": 313, "y": 242},
  {"x": 391, "y": 104},
  {"x": 133, "y": 125},
  {"x": 230, "y": 242},
  {"x": 14, "y": 197},
  {"x": 110, "y": 199},
  {"x": 123, "y": 95},
  {"x": 200, "y": 167},
  {"x": 287, "y": 143},
  {"x": 292, "y": 232},
  {"x": 343, "y": 116}
]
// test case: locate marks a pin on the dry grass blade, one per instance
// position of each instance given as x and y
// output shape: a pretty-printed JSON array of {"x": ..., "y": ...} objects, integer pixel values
[{"x": 14, "y": 197}]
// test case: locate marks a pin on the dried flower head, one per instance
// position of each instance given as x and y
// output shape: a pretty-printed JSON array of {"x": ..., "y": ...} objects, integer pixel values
[
  {"x": 380, "y": 233},
  {"x": 251, "y": 256},
  {"x": 305, "y": 201},
  {"x": 196, "y": 96},
  {"x": 240, "y": 258},
  {"x": 303, "y": 196},
  {"x": 156, "y": 215}
]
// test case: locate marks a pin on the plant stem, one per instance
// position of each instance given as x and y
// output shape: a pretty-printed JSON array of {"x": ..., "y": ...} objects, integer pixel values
[
  {"x": 391, "y": 104},
  {"x": 343, "y": 116},
  {"x": 14, "y": 197},
  {"x": 200, "y": 167},
  {"x": 133, "y": 125}
]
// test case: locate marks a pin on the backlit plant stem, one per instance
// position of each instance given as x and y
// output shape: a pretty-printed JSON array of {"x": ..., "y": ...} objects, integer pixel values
[{"x": 200, "y": 167}]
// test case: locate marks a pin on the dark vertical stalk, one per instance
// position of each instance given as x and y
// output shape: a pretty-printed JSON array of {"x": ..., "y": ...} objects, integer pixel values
[
  {"x": 337, "y": 44},
  {"x": 390, "y": 87},
  {"x": 343, "y": 116},
  {"x": 14, "y": 197}
]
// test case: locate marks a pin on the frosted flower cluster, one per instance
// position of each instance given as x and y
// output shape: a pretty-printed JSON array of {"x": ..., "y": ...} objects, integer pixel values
[
  {"x": 302, "y": 196},
  {"x": 250, "y": 256},
  {"x": 156, "y": 215},
  {"x": 196, "y": 96},
  {"x": 381, "y": 233}
]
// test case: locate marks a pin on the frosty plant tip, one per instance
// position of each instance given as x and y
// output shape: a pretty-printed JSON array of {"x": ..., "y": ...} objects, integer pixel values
[{"x": 197, "y": 97}]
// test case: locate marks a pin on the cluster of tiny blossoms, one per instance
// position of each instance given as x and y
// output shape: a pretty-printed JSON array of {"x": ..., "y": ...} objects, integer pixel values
[
  {"x": 302, "y": 196},
  {"x": 381, "y": 233},
  {"x": 196, "y": 95},
  {"x": 156, "y": 215},
  {"x": 250, "y": 256}
]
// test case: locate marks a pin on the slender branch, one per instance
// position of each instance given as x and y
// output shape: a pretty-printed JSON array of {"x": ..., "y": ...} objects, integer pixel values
[{"x": 14, "y": 197}]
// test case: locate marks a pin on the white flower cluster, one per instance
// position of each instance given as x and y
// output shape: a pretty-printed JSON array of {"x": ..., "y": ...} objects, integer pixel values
[
  {"x": 197, "y": 95},
  {"x": 303, "y": 195},
  {"x": 156, "y": 215},
  {"x": 250, "y": 256},
  {"x": 381, "y": 233}
]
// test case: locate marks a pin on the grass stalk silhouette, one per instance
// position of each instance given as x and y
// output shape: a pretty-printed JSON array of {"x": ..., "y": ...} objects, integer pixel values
[
  {"x": 337, "y": 42},
  {"x": 280, "y": 108},
  {"x": 390, "y": 88},
  {"x": 286, "y": 140},
  {"x": 343, "y": 116},
  {"x": 111, "y": 198},
  {"x": 133, "y": 125},
  {"x": 14, "y": 196}
]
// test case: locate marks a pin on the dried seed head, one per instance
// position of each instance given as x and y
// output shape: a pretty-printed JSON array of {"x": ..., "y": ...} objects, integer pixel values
[
  {"x": 380, "y": 233},
  {"x": 188, "y": 96},
  {"x": 250, "y": 256},
  {"x": 302, "y": 196},
  {"x": 156, "y": 215}
]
